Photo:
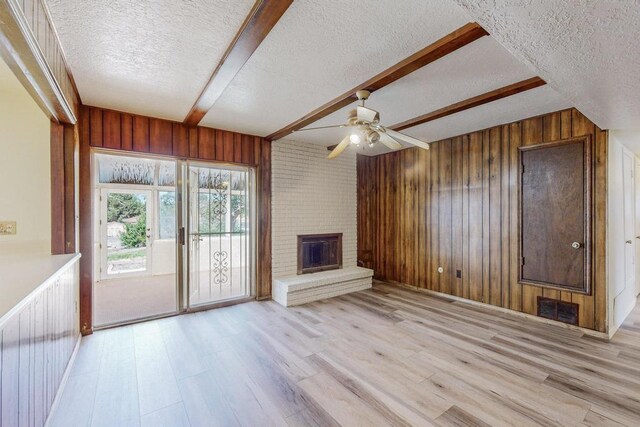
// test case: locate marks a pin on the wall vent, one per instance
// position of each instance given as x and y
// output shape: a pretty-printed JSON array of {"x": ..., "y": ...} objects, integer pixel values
[{"x": 561, "y": 311}]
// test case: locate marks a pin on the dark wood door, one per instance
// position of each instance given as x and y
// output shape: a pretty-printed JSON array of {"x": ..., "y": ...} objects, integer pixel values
[{"x": 555, "y": 191}]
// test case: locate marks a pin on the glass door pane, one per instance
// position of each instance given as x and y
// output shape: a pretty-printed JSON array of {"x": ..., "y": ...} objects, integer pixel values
[
  {"x": 220, "y": 234},
  {"x": 127, "y": 223}
]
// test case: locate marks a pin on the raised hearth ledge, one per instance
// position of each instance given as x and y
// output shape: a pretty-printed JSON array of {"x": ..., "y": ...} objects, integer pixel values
[{"x": 296, "y": 290}]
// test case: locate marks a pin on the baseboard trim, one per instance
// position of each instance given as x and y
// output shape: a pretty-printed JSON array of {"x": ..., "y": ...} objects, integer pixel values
[
  {"x": 590, "y": 332},
  {"x": 63, "y": 381}
]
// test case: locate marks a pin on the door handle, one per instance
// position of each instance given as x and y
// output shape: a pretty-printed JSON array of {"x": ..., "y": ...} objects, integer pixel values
[
  {"x": 576, "y": 245},
  {"x": 628, "y": 242}
]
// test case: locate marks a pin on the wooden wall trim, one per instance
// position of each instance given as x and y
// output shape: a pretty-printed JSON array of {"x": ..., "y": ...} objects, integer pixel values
[
  {"x": 64, "y": 142},
  {"x": 446, "y": 45},
  {"x": 124, "y": 132},
  {"x": 456, "y": 207},
  {"x": 263, "y": 16},
  {"x": 30, "y": 47}
]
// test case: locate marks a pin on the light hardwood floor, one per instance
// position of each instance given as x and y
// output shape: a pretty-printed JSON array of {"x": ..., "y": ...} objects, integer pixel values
[{"x": 385, "y": 356}]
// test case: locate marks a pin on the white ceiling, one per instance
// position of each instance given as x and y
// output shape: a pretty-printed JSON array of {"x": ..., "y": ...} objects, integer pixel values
[
  {"x": 475, "y": 69},
  {"x": 150, "y": 57},
  {"x": 586, "y": 49},
  {"x": 154, "y": 57},
  {"x": 319, "y": 50}
]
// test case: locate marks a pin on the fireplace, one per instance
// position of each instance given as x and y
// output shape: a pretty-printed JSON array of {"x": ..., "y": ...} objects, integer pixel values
[{"x": 319, "y": 252}]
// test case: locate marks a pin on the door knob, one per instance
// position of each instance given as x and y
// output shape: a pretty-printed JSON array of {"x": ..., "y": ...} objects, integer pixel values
[
  {"x": 576, "y": 245},
  {"x": 628, "y": 242}
]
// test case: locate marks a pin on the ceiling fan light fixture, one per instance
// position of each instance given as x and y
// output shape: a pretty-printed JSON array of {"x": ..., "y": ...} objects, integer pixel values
[
  {"x": 372, "y": 137},
  {"x": 355, "y": 138}
]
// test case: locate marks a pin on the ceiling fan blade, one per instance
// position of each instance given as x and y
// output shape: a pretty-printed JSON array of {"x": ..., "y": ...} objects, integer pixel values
[
  {"x": 323, "y": 127},
  {"x": 406, "y": 138},
  {"x": 339, "y": 148},
  {"x": 389, "y": 142}
]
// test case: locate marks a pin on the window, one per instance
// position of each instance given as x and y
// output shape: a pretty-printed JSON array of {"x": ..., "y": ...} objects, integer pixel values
[
  {"x": 166, "y": 214},
  {"x": 125, "y": 170}
]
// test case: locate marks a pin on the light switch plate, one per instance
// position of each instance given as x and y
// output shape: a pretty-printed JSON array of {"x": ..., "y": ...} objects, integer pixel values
[{"x": 7, "y": 227}]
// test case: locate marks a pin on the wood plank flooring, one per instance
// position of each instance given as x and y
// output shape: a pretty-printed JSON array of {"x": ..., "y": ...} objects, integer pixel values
[{"x": 385, "y": 356}]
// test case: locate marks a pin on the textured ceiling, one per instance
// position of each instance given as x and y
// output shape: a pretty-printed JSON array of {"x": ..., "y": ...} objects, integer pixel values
[
  {"x": 477, "y": 68},
  {"x": 150, "y": 57},
  {"x": 319, "y": 50},
  {"x": 586, "y": 49},
  {"x": 154, "y": 58}
]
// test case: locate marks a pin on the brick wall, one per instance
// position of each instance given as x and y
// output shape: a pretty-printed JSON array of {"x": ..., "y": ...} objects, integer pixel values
[{"x": 311, "y": 195}]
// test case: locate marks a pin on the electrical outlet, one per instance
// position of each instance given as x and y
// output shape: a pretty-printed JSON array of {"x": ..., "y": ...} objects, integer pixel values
[{"x": 7, "y": 227}]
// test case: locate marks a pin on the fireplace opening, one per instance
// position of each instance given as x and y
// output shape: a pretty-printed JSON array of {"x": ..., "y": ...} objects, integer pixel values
[{"x": 319, "y": 252}]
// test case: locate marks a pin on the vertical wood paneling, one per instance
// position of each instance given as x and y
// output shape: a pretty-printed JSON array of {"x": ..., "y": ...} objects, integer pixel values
[
  {"x": 193, "y": 143},
  {"x": 86, "y": 228},
  {"x": 140, "y": 134},
  {"x": 531, "y": 135},
  {"x": 459, "y": 202},
  {"x": 486, "y": 200},
  {"x": 111, "y": 126},
  {"x": 444, "y": 216},
  {"x": 206, "y": 144},
  {"x": 515, "y": 288},
  {"x": 237, "y": 148},
  {"x": 600, "y": 229},
  {"x": 495, "y": 216},
  {"x": 160, "y": 137},
  {"x": 586, "y": 312},
  {"x": 10, "y": 372},
  {"x": 70, "y": 153},
  {"x": 57, "y": 188},
  {"x": 126, "y": 128},
  {"x": 435, "y": 217},
  {"x": 219, "y": 144},
  {"x": 96, "y": 136},
  {"x": 180, "y": 140},
  {"x": 505, "y": 224},
  {"x": 36, "y": 344},
  {"x": 475, "y": 217},
  {"x": 421, "y": 217},
  {"x": 457, "y": 176}
]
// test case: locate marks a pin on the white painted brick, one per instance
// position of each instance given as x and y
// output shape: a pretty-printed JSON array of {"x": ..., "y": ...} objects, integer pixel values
[{"x": 311, "y": 194}]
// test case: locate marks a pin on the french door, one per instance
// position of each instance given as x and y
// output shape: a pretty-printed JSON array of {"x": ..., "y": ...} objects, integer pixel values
[
  {"x": 170, "y": 236},
  {"x": 220, "y": 233}
]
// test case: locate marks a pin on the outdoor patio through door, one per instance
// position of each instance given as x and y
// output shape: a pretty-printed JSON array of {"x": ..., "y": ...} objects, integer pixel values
[{"x": 170, "y": 236}]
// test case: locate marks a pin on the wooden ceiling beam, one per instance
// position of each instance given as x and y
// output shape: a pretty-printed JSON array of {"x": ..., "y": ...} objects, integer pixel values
[
  {"x": 264, "y": 15},
  {"x": 476, "y": 101},
  {"x": 446, "y": 45}
]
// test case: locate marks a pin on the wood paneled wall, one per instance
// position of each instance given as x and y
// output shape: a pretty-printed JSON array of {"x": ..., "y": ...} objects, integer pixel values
[
  {"x": 64, "y": 145},
  {"x": 456, "y": 207},
  {"x": 36, "y": 344},
  {"x": 114, "y": 130}
]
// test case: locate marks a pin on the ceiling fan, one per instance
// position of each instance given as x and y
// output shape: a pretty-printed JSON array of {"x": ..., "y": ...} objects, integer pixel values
[{"x": 367, "y": 128}]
